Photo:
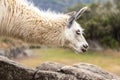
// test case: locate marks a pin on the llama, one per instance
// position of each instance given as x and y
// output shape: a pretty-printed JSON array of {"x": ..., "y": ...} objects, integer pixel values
[{"x": 19, "y": 19}]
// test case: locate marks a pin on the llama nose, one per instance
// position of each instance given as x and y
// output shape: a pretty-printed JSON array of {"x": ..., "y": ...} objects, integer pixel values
[{"x": 85, "y": 45}]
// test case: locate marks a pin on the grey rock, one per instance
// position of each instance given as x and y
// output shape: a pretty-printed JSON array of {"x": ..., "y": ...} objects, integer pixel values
[
  {"x": 51, "y": 75},
  {"x": 50, "y": 66},
  {"x": 16, "y": 52},
  {"x": 2, "y": 52},
  {"x": 11, "y": 70},
  {"x": 81, "y": 74},
  {"x": 96, "y": 70},
  {"x": 28, "y": 52}
]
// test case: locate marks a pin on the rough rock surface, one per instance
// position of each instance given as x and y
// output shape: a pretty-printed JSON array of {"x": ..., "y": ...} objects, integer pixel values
[{"x": 11, "y": 70}]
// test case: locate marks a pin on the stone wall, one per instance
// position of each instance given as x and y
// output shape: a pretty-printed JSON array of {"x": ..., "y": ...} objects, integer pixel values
[
  {"x": 12, "y": 48},
  {"x": 16, "y": 51}
]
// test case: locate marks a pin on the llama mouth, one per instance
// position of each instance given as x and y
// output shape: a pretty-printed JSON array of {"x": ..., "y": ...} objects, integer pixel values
[
  {"x": 76, "y": 50},
  {"x": 83, "y": 50},
  {"x": 79, "y": 51}
]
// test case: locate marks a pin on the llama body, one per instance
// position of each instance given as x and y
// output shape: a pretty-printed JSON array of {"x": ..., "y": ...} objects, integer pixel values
[{"x": 20, "y": 20}]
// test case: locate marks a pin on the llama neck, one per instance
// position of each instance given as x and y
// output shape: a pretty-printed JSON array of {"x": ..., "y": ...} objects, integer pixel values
[{"x": 29, "y": 24}]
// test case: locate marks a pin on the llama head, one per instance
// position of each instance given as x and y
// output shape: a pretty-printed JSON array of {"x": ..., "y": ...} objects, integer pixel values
[{"x": 74, "y": 32}]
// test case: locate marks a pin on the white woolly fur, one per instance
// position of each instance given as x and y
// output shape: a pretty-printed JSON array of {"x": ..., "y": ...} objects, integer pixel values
[{"x": 21, "y": 19}]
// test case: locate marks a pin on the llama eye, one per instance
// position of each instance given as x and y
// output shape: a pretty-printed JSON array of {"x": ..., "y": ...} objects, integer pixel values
[{"x": 78, "y": 32}]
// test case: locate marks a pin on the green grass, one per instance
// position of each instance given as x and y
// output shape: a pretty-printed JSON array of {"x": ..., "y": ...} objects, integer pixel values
[{"x": 109, "y": 59}]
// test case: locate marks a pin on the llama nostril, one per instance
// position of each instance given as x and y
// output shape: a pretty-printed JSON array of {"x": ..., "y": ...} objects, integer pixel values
[{"x": 85, "y": 46}]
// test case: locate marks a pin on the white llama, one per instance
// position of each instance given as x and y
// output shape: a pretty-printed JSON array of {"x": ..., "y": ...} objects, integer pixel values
[{"x": 20, "y": 20}]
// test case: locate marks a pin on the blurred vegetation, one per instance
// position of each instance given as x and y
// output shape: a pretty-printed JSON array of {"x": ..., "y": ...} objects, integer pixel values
[
  {"x": 60, "y": 5},
  {"x": 101, "y": 22}
]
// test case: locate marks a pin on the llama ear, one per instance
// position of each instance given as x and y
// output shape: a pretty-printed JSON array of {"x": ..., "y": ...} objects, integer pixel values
[
  {"x": 72, "y": 18},
  {"x": 70, "y": 21},
  {"x": 80, "y": 12},
  {"x": 73, "y": 13}
]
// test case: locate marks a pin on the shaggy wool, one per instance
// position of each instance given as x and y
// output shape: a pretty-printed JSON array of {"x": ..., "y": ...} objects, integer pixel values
[{"x": 21, "y": 19}]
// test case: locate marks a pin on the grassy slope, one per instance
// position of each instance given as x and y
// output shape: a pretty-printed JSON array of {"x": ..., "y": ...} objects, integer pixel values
[{"x": 109, "y": 60}]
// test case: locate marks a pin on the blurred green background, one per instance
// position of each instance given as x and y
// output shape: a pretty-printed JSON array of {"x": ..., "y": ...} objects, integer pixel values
[{"x": 102, "y": 30}]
